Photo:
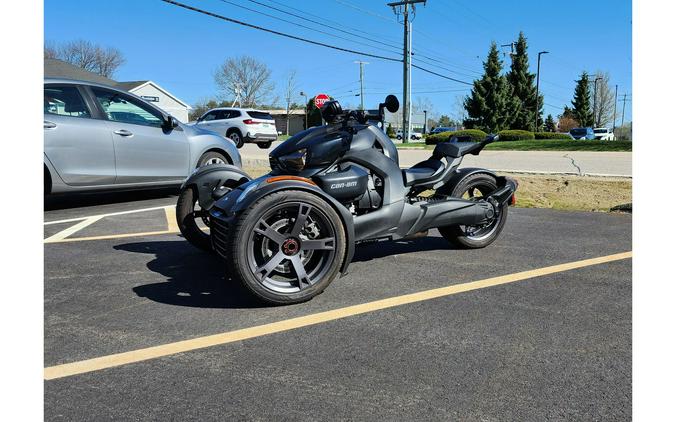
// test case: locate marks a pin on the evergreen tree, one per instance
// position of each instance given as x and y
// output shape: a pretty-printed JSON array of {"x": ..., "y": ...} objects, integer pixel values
[
  {"x": 491, "y": 105},
  {"x": 581, "y": 103},
  {"x": 524, "y": 88},
  {"x": 549, "y": 124}
]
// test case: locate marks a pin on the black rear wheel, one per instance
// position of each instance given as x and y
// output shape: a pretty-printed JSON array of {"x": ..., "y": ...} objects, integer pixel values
[
  {"x": 287, "y": 247},
  {"x": 476, "y": 187},
  {"x": 192, "y": 220}
]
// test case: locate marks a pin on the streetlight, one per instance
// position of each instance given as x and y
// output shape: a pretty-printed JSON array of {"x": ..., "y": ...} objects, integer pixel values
[
  {"x": 306, "y": 101},
  {"x": 425, "y": 123},
  {"x": 536, "y": 111},
  {"x": 595, "y": 99}
]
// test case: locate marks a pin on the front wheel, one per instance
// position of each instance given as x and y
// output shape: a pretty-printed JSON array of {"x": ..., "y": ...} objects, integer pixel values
[
  {"x": 193, "y": 221},
  {"x": 476, "y": 187},
  {"x": 287, "y": 247}
]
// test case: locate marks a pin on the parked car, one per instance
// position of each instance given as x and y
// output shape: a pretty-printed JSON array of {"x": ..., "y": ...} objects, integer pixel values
[
  {"x": 413, "y": 135},
  {"x": 241, "y": 125},
  {"x": 100, "y": 138},
  {"x": 603, "y": 134},
  {"x": 442, "y": 129},
  {"x": 582, "y": 133}
]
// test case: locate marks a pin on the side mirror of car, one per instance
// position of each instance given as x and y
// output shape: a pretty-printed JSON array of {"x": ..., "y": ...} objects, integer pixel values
[
  {"x": 391, "y": 103},
  {"x": 170, "y": 123}
]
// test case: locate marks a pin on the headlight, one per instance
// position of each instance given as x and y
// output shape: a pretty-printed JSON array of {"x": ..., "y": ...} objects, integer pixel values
[{"x": 294, "y": 161}]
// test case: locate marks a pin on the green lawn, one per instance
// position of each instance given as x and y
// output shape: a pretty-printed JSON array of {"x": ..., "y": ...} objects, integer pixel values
[{"x": 544, "y": 145}]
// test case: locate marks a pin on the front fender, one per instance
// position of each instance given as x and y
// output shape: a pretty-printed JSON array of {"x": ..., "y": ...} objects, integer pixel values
[
  {"x": 208, "y": 178},
  {"x": 233, "y": 204}
]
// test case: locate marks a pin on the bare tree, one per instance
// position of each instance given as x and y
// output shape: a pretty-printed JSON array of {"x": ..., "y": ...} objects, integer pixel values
[
  {"x": 290, "y": 92},
  {"x": 604, "y": 109},
  {"x": 87, "y": 55},
  {"x": 245, "y": 78},
  {"x": 458, "y": 110}
]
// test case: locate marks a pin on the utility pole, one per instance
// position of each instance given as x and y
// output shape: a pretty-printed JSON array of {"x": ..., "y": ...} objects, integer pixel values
[
  {"x": 616, "y": 93},
  {"x": 424, "y": 131},
  {"x": 404, "y": 8},
  {"x": 513, "y": 49},
  {"x": 361, "y": 79},
  {"x": 536, "y": 110},
  {"x": 304, "y": 94},
  {"x": 623, "y": 112}
]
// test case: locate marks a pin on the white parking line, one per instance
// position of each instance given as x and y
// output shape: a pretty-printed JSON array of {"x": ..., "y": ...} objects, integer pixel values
[
  {"x": 72, "y": 230},
  {"x": 71, "y": 220}
]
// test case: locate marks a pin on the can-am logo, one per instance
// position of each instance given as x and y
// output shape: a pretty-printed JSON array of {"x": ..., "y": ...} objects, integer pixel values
[{"x": 342, "y": 185}]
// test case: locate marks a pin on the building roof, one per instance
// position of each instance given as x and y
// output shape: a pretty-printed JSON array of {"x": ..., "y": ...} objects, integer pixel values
[
  {"x": 55, "y": 68},
  {"x": 128, "y": 86}
]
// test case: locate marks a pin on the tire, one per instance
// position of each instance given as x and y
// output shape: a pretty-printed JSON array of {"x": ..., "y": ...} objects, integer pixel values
[
  {"x": 264, "y": 145},
  {"x": 187, "y": 220},
  {"x": 212, "y": 157},
  {"x": 462, "y": 237},
  {"x": 236, "y": 137},
  {"x": 267, "y": 267}
]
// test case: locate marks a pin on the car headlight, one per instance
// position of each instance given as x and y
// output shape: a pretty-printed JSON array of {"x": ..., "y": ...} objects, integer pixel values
[{"x": 294, "y": 161}]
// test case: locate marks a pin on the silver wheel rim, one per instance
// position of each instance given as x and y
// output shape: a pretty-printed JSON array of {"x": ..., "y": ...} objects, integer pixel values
[
  {"x": 297, "y": 224},
  {"x": 214, "y": 160},
  {"x": 235, "y": 137}
]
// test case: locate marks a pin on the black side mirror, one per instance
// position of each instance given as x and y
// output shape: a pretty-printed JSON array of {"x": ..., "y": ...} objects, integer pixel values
[
  {"x": 391, "y": 103},
  {"x": 170, "y": 123}
]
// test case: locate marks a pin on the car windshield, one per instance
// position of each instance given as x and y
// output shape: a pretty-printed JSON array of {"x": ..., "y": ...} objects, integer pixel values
[{"x": 578, "y": 131}]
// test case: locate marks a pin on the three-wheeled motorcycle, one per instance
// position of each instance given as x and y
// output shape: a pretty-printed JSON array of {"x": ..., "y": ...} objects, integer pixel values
[{"x": 288, "y": 234}]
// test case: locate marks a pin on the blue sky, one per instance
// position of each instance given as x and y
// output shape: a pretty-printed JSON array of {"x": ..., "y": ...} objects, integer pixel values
[{"x": 180, "y": 49}]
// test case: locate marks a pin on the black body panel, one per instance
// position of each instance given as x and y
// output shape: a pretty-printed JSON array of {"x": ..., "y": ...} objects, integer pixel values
[
  {"x": 208, "y": 178},
  {"x": 344, "y": 185}
]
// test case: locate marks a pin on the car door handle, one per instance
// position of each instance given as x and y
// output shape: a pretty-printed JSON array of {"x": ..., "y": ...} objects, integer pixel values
[
  {"x": 123, "y": 132},
  {"x": 49, "y": 125}
]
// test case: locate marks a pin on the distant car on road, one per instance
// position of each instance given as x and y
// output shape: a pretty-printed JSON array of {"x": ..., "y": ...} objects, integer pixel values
[
  {"x": 603, "y": 134},
  {"x": 241, "y": 125},
  {"x": 413, "y": 135},
  {"x": 442, "y": 129},
  {"x": 582, "y": 133},
  {"x": 100, "y": 138}
]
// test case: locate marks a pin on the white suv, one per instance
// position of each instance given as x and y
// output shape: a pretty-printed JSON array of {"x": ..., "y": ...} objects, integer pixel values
[
  {"x": 603, "y": 134},
  {"x": 241, "y": 125}
]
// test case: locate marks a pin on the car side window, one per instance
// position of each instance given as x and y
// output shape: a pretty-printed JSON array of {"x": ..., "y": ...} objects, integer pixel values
[
  {"x": 64, "y": 101},
  {"x": 211, "y": 115},
  {"x": 234, "y": 114},
  {"x": 122, "y": 108}
]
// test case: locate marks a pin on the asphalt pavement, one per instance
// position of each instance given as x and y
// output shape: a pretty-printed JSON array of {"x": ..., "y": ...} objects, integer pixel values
[
  {"x": 615, "y": 164},
  {"x": 553, "y": 346}
]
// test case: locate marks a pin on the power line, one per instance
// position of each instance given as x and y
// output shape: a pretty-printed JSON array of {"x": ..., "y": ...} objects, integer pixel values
[
  {"x": 283, "y": 34},
  {"x": 322, "y": 23},
  {"x": 441, "y": 76},
  {"x": 384, "y": 18},
  {"x": 305, "y": 26}
]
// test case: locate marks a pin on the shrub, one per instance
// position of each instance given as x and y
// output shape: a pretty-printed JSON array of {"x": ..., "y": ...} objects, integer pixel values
[
  {"x": 473, "y": 135},
  {"x": 551, "y": 135},
  {"x": 515, "y": 135}
]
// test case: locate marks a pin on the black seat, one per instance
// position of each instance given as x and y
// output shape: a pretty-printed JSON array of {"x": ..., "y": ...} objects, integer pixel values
[
  {"x": 456, "y": 149},
  {"x": 423, "y": 172}
]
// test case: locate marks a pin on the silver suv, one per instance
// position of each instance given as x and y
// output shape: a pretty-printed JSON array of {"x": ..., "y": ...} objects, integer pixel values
[
  {"x": 100, "y": 138},
  {"x": 241, "y": 125}
]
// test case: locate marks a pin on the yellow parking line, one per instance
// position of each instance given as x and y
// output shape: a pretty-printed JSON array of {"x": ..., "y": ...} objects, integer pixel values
[
  {"x": 118, "y": 359},
  {"x": 172, "y": 224}
]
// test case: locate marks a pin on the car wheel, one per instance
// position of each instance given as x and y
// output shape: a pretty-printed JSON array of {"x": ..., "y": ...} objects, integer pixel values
[
  {"x": 212, "y": 157},
  {"x": 264, "y": 145},
  {"x": 236, "y": 137}
]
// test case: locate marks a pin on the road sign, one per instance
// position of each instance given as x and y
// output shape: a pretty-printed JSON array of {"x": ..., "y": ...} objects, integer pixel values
[{"x": 320, "y": 99}]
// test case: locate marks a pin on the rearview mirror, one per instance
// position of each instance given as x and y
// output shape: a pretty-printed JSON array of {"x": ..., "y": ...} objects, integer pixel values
[{"x": 391, "y": 103}]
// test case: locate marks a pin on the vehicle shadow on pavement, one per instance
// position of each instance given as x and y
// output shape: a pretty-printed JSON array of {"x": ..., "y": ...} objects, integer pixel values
[
  {"x": 368, "y": 251},
  {"x": 193, "y": 278},
  {"x": 197, "y": 279},
  {"x": 77, "y": 200}
]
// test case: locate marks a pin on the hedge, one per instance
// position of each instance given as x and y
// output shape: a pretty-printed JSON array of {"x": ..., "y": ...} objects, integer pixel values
[
  {"x": 551, "y": 135},
  {"x": 515, "y": 135},
  {"x": 473, "y": 135}
]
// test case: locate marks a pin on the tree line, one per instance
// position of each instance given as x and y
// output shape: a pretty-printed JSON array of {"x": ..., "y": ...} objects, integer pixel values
[{"x": 501, "y": 101}]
